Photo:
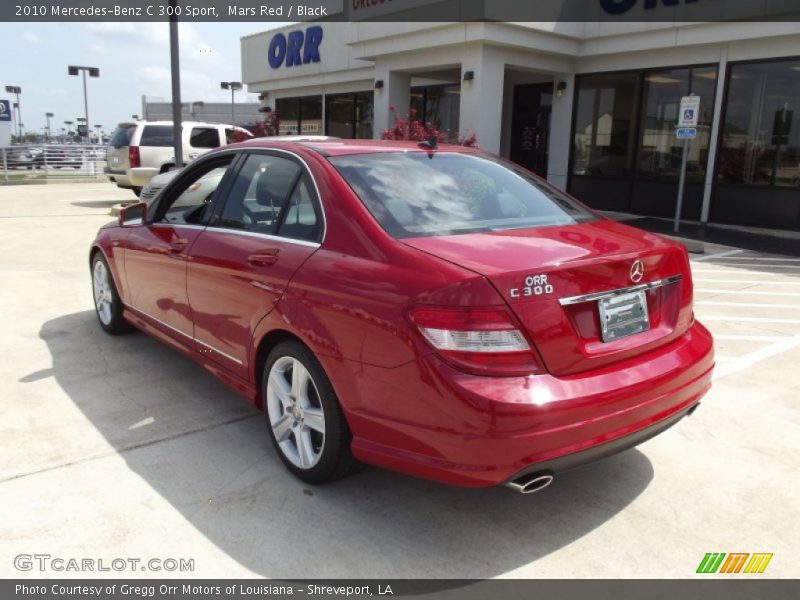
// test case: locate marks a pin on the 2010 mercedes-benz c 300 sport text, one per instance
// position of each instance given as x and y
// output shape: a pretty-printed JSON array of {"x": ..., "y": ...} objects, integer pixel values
[{"x": 433, "y": 310}]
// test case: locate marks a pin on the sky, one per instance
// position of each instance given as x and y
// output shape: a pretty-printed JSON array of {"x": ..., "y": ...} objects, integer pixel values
[{"x": 133, "y": 59}]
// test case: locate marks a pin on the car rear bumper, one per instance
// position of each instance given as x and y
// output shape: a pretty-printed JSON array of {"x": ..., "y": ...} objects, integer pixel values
[
  {"x": 481, "y": 431},
  {"x": 139, "y": 176},
  {"x": 118, "y": 177}
]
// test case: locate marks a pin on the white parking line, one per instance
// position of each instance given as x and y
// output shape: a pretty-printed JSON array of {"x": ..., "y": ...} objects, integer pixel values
[
  {"x": 748, "y": 281},
  {"x": 761, "y": 258},
  {"x": 755, "y": 266},
  {"x": 746, "y": 304},
  {"x": 718, "y": 255},
  {"x": 746, "y": 292},
  {"x": 736, "y": 319},
  {"x": 748, "y": 338},
  {"x": 752, "y": 358}
]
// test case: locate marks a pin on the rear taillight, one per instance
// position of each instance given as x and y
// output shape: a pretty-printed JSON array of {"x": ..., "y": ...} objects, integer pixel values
[
  {"x": 133, "y": 156},
  {"x": 482, "y": 341}
]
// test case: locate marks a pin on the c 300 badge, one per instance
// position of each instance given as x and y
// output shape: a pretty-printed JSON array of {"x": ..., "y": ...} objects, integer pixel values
[{"x": 535, "y": 285}]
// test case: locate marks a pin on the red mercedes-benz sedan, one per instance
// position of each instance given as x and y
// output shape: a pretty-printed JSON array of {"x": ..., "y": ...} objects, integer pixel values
[{"x": 433, "y": 310}]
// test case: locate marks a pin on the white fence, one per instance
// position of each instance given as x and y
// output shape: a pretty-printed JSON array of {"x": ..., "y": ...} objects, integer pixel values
[{"x": 52, "y": 161}]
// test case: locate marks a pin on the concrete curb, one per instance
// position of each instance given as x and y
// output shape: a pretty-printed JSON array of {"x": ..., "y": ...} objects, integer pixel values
[{"x": 692, "y": 246}]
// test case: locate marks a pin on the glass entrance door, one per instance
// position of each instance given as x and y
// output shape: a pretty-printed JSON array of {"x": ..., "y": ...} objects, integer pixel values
[{"x": 530, "y": 126}]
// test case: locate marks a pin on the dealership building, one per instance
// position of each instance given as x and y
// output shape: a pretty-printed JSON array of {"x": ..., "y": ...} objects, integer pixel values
[{"x": 591, "y": 106}]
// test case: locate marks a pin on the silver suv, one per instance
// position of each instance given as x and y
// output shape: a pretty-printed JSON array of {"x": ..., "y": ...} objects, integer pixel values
[{"x": 138, "y": 151}]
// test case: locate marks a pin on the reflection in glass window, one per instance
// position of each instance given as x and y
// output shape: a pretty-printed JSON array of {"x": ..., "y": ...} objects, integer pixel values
[
  {"x": 438, "y": 105},
  {"x": 615, "y": 139},
  {"x": 411, "y": 194},
  {"x": 604, "y": 143},
  {"x": 349, "y": 115},
  {"x": 192, "y": 202},
  {"x": 761, "y": 127},
  {"x": 301, "y": 115},
  {"x": 259, "y": 193}
]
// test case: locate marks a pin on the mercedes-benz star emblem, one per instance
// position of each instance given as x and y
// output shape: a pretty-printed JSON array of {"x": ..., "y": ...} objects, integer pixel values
[{"x": 637, "y": 271}]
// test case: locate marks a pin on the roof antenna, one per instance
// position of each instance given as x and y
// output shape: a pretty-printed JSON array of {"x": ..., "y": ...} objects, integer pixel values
[{"x": 431, "y": 144}]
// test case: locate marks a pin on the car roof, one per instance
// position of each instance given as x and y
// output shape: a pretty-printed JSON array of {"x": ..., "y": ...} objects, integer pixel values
[
  {"x": 143, "y": 122},
  {"x": 348, "y": 147}
]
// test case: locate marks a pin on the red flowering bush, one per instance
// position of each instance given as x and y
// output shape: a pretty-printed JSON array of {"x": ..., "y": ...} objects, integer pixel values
[
  {"x": 412, "y": 129},
  {"x": 270, "y": 126}
]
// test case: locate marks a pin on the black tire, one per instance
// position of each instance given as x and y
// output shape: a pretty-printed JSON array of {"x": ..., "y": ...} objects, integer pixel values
[
  {"x": 335, "y": 459},
  {"x": 137, "y": 191},
  {"x": 116, "y": 323}
]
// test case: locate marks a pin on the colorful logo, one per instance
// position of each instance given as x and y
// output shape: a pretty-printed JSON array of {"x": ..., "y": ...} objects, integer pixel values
[{"x": 735, "y": 562}]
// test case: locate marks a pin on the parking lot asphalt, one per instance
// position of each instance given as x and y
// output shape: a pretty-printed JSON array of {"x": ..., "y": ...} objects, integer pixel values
[{"x": 117, "y": 447}]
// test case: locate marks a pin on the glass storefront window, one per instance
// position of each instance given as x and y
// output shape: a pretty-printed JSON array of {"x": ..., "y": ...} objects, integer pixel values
[
  {"x": 616, "y": 138},
  {"x": 761, "y": 127},
  {"x": 438, "y": 105},
  {"x": 660, "y": 153},
  {"x": 300, "y": 115},
  {"x": 604, "y": 143},
  {"x": 349, "y": 115},
  {"x": 364, "y": 102}
]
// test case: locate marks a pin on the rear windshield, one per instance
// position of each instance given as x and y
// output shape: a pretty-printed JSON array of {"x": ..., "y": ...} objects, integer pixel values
[
  {"x": 156, "y": 135},
  {"x": 122, "y": 136},
  {"x": 412, "y": 195}
]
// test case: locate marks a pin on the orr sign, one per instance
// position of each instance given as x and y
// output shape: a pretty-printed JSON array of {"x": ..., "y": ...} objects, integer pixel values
[{"x": 295, "y": 48}]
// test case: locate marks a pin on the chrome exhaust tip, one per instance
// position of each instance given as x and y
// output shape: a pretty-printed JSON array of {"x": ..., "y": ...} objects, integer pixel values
[{"x": 531, "y": 483}]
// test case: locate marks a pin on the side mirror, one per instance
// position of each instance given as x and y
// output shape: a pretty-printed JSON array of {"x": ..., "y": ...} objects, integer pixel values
[{"x": 133, "y": 214}]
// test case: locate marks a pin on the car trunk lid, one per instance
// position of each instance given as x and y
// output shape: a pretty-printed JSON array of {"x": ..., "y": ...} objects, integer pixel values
[{"x": 551, "y": 278}]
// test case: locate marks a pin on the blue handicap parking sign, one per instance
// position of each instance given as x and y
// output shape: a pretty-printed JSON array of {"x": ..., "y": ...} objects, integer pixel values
[
  {"x": 688, "y": 114},
  {"x": 5, "y": 110}
]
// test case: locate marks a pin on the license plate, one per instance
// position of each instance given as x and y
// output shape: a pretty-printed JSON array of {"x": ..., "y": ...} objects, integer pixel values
[
  {"x": 623, "y": 315},
  {"x": 115, "y": 160}
]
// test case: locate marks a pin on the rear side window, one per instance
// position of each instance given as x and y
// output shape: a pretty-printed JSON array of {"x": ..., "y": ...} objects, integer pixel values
[
  {"x": 122, "y": 137},
  {"x": 204, "y": 137},
  {"x": 156, "y": 135},
  {"x": 412, "y": 195}
]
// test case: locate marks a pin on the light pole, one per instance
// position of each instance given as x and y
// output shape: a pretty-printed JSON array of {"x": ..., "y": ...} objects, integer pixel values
[
  {"x": 93, "y": 72},
  {"x": 16, "y": 90},
  {"x": 69, "y": 126},
  {"x": 232, "y": 86},
  {"x": 49, "y": 116},
  {"x": 98, "y": 127}
]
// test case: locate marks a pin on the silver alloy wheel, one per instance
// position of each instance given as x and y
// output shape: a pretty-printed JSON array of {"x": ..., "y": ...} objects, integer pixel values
[
  {"x": 101, "y": 285},
  {"x": 295, "y": 412}
]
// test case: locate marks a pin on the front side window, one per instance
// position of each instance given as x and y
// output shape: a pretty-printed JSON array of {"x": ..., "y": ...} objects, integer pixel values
[
  {"x": 204, "y": 137},
  {"x": 761, "y": 128},
  {"x": 260, "y": 193},
  {"x": 189, "y": 203},
  {"x": 413, "y": 195}
]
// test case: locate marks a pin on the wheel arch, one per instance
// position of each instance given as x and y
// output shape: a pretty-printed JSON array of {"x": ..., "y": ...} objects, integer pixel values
[{"x": 265, "y": 345}]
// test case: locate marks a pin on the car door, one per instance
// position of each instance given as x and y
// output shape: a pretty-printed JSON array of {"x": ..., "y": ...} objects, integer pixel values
[
  {"x": 156, "y": 252},
  {"x": 239, "y": 267}
]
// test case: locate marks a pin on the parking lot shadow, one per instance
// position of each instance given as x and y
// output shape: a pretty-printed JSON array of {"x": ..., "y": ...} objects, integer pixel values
[
  {"x": 206, "y": 452},
  {"x": 103, "y": 203}
]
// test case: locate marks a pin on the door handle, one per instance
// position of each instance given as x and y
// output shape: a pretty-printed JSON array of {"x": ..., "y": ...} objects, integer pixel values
[
  {"x": 177, "y": 246},
  {"x": 264, "y": 258}
]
